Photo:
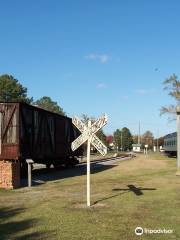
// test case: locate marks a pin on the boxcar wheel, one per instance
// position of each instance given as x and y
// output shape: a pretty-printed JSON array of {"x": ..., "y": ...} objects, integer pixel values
[{"x": 56, "y": 165}]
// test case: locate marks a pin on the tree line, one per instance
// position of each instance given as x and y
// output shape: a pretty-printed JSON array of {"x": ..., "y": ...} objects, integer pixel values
[
  {"x": 11, "y": 90},
  {"x": 123, "y": 139}
]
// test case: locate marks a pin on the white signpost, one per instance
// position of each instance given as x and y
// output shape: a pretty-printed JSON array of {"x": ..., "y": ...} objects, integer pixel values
[
  {"x": 88, "y": 134},
  {"x": 145, "y": 150}
]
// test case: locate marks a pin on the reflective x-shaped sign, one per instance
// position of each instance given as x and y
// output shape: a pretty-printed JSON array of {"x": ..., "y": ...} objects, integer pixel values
[{"x": 89, "y": 133}]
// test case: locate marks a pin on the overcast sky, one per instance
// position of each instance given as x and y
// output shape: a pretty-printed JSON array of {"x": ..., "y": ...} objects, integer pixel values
[{"x": 95, "y": 56}]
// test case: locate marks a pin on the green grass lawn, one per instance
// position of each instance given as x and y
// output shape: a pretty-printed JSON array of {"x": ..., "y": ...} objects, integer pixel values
[{"x": 142, "y": 192}]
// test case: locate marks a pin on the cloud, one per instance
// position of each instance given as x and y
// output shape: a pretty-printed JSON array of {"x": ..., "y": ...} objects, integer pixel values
[
  {"x": 141, "y": 91},
  {"x": 101, "y": 85},
  {"x": 102, "y": 58},
  {"x": 144, "y": 91},
  {"x": 125, "y": 97}
]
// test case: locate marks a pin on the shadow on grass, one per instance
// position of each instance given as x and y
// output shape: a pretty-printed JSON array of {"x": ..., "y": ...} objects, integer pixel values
[
  {"x": 138, "y": 191},
  {"x": 41, "y": 176},
  {"x": 11, "y": 228},
  {"x": 134, "y": 189}
]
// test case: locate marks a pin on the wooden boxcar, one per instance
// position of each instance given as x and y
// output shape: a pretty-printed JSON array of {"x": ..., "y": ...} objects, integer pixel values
[{"x": 30, "y": 132}]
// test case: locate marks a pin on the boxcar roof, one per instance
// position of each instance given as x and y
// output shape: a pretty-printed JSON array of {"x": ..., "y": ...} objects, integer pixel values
[{"x": 33, "y": 106}]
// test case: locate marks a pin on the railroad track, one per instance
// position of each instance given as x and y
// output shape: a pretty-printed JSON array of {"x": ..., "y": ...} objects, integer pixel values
[{"x": 107, "y": 161}]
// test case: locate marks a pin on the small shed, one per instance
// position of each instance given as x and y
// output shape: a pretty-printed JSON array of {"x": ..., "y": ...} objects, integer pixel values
[{"x": 136, "y": 147}]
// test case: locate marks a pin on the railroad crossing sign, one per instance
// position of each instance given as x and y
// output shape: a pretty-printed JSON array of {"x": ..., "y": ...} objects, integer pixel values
[{"x": 88, "y": 134}]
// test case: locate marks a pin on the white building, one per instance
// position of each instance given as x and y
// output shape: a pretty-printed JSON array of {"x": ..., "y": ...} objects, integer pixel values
[{"x": 136, "y": 147}]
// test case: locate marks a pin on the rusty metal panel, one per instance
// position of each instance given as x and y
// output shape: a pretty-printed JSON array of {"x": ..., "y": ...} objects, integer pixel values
[
  {"x": 9, "y": 123},
  {"x": 37, "y": 133},
  {"x": 60, "y": 137},
  {"x": 10, "y": 151},
  {"x": 25, "y": 132},
  {"x": 9, "y": 130}
]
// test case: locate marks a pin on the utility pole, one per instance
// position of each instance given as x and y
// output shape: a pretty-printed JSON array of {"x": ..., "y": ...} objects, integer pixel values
[{"x": 139, "y": 138}]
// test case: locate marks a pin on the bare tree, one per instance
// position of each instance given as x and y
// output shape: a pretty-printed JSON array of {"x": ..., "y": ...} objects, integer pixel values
[
  {"x": 171, "y": 84},
  {"x": 147, "y": 138}
]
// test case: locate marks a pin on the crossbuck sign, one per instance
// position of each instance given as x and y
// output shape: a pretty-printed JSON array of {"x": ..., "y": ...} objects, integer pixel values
[{"x": 88, "y": 134}]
